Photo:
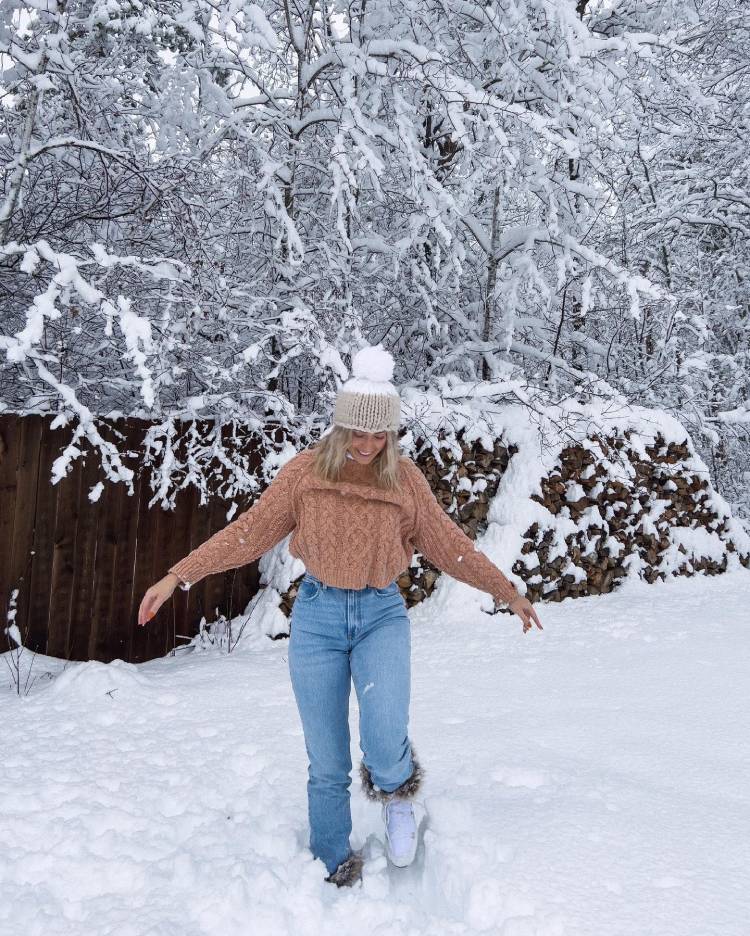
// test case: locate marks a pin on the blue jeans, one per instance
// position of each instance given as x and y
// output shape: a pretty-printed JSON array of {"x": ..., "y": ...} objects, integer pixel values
[{"x": 338, "y": 635}]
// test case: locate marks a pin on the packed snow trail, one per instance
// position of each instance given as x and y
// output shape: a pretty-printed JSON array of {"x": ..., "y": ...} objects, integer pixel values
[{"x": 588, "y": 780}]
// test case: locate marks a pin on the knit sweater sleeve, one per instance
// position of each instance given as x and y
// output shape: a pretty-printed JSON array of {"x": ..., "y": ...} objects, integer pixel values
[
  {"x": 255, "y": 531},
  {"x": 446, "y": 545}
]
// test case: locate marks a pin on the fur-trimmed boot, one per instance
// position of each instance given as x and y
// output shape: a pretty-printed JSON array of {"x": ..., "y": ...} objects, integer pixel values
[
  {"x": 348, "y": 872},
  {"x": 401, "y": 840},
  {"x": 407, "y": 790}
]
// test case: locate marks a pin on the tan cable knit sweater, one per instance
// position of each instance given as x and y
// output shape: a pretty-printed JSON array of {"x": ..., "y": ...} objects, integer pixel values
[{"x": 350, "y": 533}]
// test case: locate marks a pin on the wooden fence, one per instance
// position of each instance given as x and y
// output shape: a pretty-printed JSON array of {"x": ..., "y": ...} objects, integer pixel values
[{"x": 81, "y": 568}]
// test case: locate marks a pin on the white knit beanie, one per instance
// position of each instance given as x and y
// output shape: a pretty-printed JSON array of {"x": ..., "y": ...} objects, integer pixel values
[{"x": 368, "y": 401}]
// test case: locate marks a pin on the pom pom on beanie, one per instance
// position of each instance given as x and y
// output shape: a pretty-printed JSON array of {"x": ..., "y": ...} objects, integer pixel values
[{"x": 373, "y": 363}]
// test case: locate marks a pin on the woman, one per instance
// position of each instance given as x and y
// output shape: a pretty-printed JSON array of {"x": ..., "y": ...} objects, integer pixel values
[{"x": 357, "y": 509}]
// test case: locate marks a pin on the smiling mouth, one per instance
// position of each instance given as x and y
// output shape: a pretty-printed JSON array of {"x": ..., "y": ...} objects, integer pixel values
[{"x": 364, "y": 453}]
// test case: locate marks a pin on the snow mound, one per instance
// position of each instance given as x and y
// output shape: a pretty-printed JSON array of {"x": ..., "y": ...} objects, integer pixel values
[{"x": 91, "y": 681}]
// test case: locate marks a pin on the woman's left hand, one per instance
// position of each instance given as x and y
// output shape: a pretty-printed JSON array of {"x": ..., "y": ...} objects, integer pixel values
[{"x": 525, "y": 610}]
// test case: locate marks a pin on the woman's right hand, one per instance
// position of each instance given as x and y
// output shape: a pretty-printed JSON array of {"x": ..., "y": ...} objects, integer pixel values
[{"x": 156, "y": 596}]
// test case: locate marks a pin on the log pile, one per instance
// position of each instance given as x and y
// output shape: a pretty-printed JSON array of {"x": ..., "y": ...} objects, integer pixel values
[{"x": 624, "y": 509}]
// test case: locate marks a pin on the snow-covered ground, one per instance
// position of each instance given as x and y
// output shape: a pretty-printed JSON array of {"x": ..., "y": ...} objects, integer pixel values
[{"x": 589, "y": 780}]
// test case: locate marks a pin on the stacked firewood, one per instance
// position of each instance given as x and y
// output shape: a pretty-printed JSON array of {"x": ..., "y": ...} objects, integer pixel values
[{"x": 625, "y": 510}]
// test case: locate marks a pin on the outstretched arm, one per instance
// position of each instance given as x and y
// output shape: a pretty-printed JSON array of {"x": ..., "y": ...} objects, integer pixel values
[
  {"x": 255, "y": 531},
  {"x": 446, "y": 545}
]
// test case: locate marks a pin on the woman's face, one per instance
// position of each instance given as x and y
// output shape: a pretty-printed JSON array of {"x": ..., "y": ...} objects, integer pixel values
[{"x": 365, "y": 446}]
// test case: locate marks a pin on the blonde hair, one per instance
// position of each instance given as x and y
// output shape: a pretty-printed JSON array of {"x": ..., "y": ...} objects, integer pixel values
[{"x": 330, "y": 457}]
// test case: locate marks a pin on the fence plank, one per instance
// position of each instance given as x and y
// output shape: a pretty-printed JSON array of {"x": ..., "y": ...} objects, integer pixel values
[
  {"x": 115, "y": 643},
  {"x": 23, "y": 522},
  {"x": 109, "y": 505},
  {"x": 87, "y": 532},
  {"x": 126, "y": 600},
  {"x": 64, "y": 558},
  {"x": 45, "y": 514},
  {"x": 10, "y": 429}
]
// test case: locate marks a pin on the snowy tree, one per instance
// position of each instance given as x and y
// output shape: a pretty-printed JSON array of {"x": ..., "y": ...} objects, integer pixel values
[{"x": 511, "y": 189}]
